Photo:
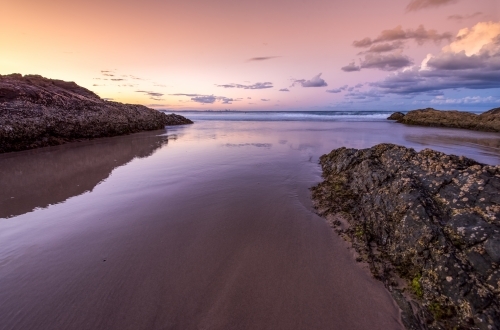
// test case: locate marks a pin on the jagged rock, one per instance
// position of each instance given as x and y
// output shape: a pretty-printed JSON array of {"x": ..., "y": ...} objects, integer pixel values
[
  {"x": 488, "y": 121},
  {"x": 427, "y": 223},
  {"x": 396, "y": 116},
  {"x": 37, "y": 112}
]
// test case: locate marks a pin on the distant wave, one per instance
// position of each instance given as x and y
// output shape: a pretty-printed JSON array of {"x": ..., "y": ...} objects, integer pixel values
[{"x": 286, "y": 115}]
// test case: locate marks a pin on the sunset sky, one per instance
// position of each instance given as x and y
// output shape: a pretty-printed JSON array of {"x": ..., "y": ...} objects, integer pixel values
[{"x": 263, "y": 55}]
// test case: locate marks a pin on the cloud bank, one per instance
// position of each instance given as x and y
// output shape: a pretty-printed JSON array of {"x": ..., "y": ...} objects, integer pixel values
[{"x": 472, "y": 61}]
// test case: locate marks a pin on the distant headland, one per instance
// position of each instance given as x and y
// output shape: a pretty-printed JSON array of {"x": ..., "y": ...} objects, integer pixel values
[{"x": 488, "y": 121}]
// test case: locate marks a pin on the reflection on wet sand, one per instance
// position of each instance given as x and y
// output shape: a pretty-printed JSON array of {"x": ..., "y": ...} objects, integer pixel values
[
  {"x": 485, "y": 145},
  {"x": 37, "y": 179}
]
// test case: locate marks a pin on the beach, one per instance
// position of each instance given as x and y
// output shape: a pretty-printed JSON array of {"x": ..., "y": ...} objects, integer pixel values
[{"x": 207, "y": 226}]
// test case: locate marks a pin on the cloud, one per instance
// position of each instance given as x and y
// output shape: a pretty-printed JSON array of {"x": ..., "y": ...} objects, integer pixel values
[
  {"x": 249, "y": 98},
  {"x": 351, "y": 67},
  {"x": 265, "y": 100},
  {"x": 107, "y": 73},
  {"x": 358, "y": 85},
  {"x": 258, "y": 85},
  {"x": 466, "y": 100},
  {"x": 472, "y": 61},
  {"x": 372, "y": 95},
  {"x": 284, "y": 90},
  {"x": 261, "y": 58},
  {"x": 462, "y": 17},
  {"x": 382, "y": 48},
  {"x": 389, "y": 62},
  {"x": 117, "y": 79},
  {"x": 337, "y": 90},
  {"x": 206, "y": 99},
  {"x": 315, "y": 81},
  {"x": 152, "y": 95},
  {"x": 421, "y": 4},
  {"x": 420, "y": 35}
]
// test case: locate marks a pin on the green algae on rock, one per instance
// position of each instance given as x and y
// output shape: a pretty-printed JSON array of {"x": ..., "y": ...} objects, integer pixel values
[
  {"x": 427, "y": 223},
  {"x": 38, "y": 112}
]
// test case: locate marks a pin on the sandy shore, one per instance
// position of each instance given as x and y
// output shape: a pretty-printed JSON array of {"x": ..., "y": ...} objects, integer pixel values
[{"x": 213, "y": 230}]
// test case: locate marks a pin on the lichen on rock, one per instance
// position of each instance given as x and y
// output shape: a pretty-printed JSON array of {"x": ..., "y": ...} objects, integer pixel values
[{"x": 427, "y": 223}]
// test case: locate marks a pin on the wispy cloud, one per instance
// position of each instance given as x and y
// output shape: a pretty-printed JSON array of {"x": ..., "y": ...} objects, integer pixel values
[
  {"x": 462, "y": 17},
  {"x": 263, "y": 58},
  {"x": 152, "y": 95},
  {"x": 284, "y": 90},
  {"x": 420, "y": 35},
  {"x": 206, "y": 99},
  {"x": 421, "y": 4},
  {"x": 258, "y": 85},
  {"x": 265, "y": 100}
]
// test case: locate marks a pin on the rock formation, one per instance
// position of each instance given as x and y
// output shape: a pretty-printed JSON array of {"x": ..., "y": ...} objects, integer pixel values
[
  {"x": 37, "y": 112},
  {"x": 396, "y": 116},
  {"x": 488, "y": 121},
  {"x": 427, "y": 223}
]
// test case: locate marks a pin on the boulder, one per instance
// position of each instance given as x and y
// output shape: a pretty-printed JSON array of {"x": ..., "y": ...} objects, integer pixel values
[
  {"x": 427, "y": 224},
  {"x": 396, "y": 116}
]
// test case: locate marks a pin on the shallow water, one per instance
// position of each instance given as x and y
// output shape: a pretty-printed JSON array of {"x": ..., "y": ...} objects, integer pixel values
[{"x": 202, "y": 226}]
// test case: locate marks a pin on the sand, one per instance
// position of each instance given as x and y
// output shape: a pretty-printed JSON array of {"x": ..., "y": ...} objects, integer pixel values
[{"x": 212, "y": 229}]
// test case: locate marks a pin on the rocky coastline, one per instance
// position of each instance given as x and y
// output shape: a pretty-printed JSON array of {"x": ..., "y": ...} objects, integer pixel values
[
  {"x": 488, "y": 121},
  {"x": 37, "y": 112},
  {"x": 427, "y": 224}
]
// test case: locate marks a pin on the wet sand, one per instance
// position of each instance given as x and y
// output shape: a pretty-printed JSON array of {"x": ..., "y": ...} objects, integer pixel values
[{"x": 212, "y": 230}]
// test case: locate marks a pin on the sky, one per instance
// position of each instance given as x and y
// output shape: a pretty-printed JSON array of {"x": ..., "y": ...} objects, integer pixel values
[{"x": 273, "y": 55}]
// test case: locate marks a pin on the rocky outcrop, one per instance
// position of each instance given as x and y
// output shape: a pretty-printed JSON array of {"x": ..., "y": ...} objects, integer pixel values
[
  {"x": 427, "y": 223},
  {"x": 396, "y": 116},
  {"x": 488, "y": 121},
  {"x": 37, "y": 112}
]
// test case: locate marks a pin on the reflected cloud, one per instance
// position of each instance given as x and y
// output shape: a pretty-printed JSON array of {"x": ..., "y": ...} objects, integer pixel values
[{"x": 259, "y": 145}]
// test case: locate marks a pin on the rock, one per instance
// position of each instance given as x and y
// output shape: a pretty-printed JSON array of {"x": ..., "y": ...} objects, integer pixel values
[
  {"x": 396, "y": 116},
  {"x": 427, "y": 223},
  {"x": 488, "y": 121},
  {"x": 37, "y": 112}
]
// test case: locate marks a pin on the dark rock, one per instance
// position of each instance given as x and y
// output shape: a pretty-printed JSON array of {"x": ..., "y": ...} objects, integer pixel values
[
  {"x": 427, "y": 220},
  {"x": 37, "y": 112},
  {"x": 488, "y": 121},
  {"x": 396, "y": 116}
]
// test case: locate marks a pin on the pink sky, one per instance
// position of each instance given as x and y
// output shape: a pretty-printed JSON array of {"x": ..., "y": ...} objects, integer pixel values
[{"x": 185, "y": 55}]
